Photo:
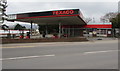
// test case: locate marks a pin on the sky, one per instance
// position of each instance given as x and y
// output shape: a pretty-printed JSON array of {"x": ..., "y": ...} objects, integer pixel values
[{"x": 89, "y": 8}]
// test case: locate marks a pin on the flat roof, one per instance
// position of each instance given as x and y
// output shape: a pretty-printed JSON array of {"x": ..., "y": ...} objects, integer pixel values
[
  {"x": 66, "y": 17},
  {"x": 102, "y": 23}
]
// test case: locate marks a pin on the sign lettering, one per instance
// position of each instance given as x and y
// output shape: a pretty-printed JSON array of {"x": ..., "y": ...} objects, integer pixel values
[{"x": 66, "y": 12}]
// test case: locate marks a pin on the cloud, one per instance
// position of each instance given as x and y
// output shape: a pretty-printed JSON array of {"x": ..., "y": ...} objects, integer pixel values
[{"x": 63, "y": 0}]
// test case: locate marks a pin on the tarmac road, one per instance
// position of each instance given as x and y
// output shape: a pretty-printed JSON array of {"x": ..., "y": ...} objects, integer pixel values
[{"x": 61, "y": 55}]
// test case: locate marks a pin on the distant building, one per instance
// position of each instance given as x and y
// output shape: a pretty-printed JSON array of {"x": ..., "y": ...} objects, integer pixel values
[{"x": 98, "y": 29}]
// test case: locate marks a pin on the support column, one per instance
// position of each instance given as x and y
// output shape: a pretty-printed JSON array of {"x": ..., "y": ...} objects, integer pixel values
[
  {"x": 106, "y": 30},
  {"x": 31, "y": 27},
  {"x": 73, "y": 32},
  {"x": 62, "y": 31},
  {"x": 46, "y": 30},
  {"x": 69, "y": 32},
  {"x": 59, "y": 29}
]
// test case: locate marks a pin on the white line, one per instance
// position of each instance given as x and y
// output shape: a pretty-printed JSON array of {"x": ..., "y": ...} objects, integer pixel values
[
  {"x": 26, "y": 57},
  {"x": 49, "y": 55},
  {"x": 94, "y": 52},
  {"x": 16, "y": 47}
]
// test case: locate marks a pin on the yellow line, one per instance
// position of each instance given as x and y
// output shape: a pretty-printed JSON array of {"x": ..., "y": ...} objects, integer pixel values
[{"x": 17, "y": 47}]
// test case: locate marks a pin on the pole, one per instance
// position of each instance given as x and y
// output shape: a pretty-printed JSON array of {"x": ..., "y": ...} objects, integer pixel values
[
  {"x": 31, "y": 27},
  {"x": 62, "y": 31},
  {"x": 59, "y": 29},
  {"x": 46, "y": 31},
  {"x": 69, "y": 32},
  {"x": 72, "y": 32}
]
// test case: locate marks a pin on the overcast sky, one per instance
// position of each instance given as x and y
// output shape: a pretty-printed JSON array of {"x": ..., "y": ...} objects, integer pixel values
[{"x": 91, "y": 8}]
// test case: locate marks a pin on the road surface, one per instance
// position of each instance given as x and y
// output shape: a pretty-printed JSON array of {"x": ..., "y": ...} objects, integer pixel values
[{"x": 102, "y": 54}]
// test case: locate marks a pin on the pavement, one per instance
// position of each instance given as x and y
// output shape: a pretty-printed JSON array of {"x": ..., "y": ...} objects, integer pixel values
[
  {"x": 97, "y": 54},
  {"x": 101, "y": 38}
]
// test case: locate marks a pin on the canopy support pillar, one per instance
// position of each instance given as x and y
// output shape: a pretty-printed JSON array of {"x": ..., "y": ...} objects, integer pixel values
[
  {"x": 59, "y": 29},
  {"x": 31, "y": 27}
]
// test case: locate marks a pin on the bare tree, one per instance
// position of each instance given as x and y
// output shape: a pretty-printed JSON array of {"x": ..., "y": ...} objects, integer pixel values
[
  {"x": 107, "y": 17},
  {"x": 87, "y": 20}
]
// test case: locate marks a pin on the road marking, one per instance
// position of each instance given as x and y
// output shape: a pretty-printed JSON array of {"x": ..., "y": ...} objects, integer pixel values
[
  {"x": 27, "y": 57},
  {"x": 16, "y": 46},
  {"x": 94, "y": 52}
]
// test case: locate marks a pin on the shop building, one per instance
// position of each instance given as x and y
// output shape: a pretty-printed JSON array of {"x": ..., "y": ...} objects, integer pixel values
[{"x": 98, "y": 30}]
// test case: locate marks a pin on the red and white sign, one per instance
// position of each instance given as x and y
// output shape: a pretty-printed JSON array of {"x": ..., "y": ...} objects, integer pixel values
[{"x": 65, "y": 12}]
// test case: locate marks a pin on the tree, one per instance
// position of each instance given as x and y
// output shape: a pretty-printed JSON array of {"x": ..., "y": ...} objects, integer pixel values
[
  {"x": 87, "y": 20},
  {"x": 3, "y": 6},
  {"x": 115, "y": 19},
  {"x": 5, "y": 27},
  {"x": 108, "y": 16},
  {"x": 19, "y": 27},
  {"x": 116, "y": 23}
]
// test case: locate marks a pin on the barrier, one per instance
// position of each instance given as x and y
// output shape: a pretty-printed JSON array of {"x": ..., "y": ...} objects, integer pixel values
[{"x": 79, "y": 39}]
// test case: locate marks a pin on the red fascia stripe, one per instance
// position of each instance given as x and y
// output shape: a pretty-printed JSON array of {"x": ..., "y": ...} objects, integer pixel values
[
  {"x": 98, "y": 26},
  {"x": 47, "y": 16},
  {"x": 87, "y": 26}
]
